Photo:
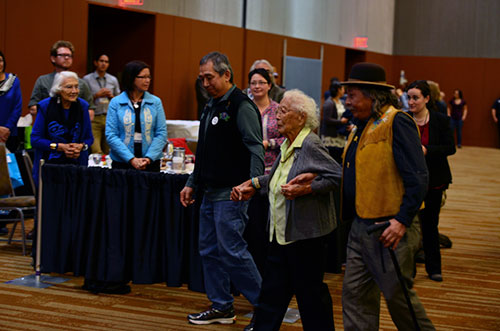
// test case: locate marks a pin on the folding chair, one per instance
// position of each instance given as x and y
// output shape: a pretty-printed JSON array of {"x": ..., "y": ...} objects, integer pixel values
[{"x": 12, "y": 204}]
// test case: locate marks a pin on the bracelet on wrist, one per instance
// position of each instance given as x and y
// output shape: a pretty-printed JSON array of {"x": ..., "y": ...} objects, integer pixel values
[{"x": 255, "y": 183}]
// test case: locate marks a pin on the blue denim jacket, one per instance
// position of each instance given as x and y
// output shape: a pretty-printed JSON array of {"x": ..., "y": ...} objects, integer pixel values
[{"x": 120, "y": 127}]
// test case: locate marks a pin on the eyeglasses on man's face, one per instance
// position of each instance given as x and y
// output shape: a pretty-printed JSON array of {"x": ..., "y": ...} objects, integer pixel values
[{"x": 65, "y": 55}]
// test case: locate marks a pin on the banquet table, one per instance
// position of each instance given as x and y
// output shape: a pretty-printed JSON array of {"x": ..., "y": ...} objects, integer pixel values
[{"x": 116, "y": 225}]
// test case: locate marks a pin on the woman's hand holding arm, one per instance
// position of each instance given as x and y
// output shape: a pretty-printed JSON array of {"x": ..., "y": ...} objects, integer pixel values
[
  {"x": 298, "y": 186},
  {"x": 305, "y": 178},
  {"x": 292, "y": 191}
]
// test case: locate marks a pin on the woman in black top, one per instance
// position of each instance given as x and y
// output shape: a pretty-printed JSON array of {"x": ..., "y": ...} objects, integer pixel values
[
  {"x": 334, "y": 123},
  {"x": 437, "y": 144}
]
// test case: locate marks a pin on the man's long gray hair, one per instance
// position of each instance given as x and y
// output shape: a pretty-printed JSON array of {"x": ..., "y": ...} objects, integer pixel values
[{"x": 380, "y": 98}]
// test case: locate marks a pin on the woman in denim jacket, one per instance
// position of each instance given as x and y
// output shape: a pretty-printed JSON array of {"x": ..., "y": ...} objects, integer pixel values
[{"x": 136, "y": 129}]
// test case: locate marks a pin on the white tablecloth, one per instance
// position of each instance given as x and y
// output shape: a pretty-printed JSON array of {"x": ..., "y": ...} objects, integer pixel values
[{"x": 183, "y": 129}]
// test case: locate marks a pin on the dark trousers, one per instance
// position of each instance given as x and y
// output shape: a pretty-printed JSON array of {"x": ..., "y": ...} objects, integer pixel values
[
  {"x": 12, "y": 143},
  {"x": 336, "y": 153},
  {"x": 498, "y": 124},
  {"x": 456, "y": 125},
  {"x": 297, "y": 268},
  {"x": 429, "y": 220},
  {"x": 256, "y": 233},
  {"x": 369, "y": 271}
]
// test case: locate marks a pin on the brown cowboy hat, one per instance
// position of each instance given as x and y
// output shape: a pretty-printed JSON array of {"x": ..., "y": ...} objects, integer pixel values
[{"x": 367, "y": 74}]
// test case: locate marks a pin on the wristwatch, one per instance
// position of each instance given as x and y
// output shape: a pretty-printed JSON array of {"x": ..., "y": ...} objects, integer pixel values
[
  {"x": 85, "y": 147},
  {"x": 53, "y": 146}
]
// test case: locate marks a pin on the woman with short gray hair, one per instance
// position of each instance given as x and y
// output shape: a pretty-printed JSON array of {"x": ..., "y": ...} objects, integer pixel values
[
  {"x": 304, "y": 104},
  {"x": 301, "y": 215},
  {"x": 62, "y": 131},
  {"x": 57, "y": 84}
]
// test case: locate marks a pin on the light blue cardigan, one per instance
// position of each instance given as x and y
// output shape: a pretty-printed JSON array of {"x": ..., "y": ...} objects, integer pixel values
[{"x": 120, "y": 127}]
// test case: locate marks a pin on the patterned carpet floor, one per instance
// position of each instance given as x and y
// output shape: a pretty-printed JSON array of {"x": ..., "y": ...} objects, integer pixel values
[{"x": 467, "y": 299}]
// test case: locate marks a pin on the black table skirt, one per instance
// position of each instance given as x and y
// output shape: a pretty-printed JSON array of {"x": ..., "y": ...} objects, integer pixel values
[{"x": 119, "y": 225}]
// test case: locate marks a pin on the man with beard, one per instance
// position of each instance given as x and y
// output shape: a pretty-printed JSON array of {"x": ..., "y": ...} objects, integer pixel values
[{"x": 61, "y": 56}]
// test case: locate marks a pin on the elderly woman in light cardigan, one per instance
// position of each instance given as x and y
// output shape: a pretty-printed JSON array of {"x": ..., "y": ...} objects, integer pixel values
[{"x": 301, "y": 215}]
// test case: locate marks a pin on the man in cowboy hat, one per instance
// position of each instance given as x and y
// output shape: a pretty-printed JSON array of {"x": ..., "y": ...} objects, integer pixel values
[{"x": 384, "y": 179}]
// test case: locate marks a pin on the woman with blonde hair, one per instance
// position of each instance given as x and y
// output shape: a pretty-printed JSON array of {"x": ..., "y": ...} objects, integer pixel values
[{"x": 436, "y": 97}]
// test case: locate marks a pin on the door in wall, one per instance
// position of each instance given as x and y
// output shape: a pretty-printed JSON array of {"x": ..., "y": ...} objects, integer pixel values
[
  {"x": 123, "y": 35},
  {"x": 353, "y": 56}
]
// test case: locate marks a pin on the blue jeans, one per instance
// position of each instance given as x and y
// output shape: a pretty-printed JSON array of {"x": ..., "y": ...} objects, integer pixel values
[
  {"x": 224, "y": 253},
  {"x": 457, "y": 124}
]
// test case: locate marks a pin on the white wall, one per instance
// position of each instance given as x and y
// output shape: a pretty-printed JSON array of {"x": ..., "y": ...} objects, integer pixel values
[
  {"x": 228, "y": 12},
  {"x": 329, "y": 21}
]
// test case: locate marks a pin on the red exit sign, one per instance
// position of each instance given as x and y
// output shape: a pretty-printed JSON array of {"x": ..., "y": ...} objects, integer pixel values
[
  {"x": 130, "y": 2},
  {"x": 361, "y": 42}
]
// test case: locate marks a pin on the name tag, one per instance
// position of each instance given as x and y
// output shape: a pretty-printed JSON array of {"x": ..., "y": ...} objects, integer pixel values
[{"x": 137, "y": 137}]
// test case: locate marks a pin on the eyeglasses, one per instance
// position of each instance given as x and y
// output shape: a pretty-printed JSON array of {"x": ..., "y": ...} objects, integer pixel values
[
  {"x": 67, "y": 56},
  {"x": 71, "y": 87},
  {"x": 258, "y": 83},
  {"x": 282, "y": 110},
  {"x": 144, "y": 77}
]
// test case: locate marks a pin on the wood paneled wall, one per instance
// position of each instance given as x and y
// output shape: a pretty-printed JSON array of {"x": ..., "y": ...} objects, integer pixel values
[
  {"x": 30, "y": 28},
  {"x": 458, "y": 28},
  {"x": 477, "y": 78},
  {"x": 181, "y": 42}
]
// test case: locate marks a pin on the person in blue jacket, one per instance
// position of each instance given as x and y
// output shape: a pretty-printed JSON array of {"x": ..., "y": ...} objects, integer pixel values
[
  {"x": 136, "y": 129},
  {"x": 11, "y": 103},
  {"x": 62, "y": 131}
]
